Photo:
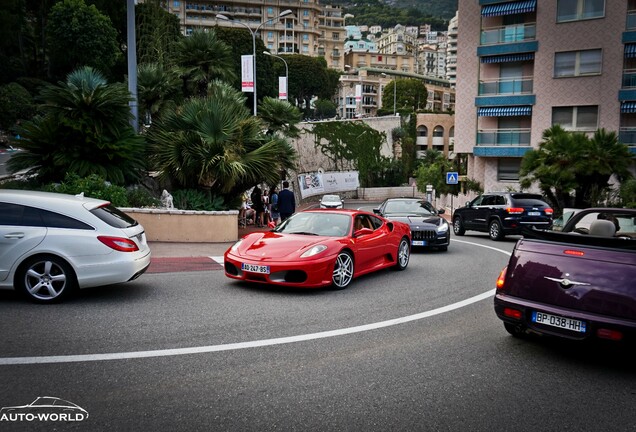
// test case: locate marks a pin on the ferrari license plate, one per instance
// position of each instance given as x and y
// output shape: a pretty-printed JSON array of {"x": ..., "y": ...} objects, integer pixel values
[
  {"x": 418, "y": 243},
  {"x": 254, "y": 268},
  {"x": 558, "y": 321}
]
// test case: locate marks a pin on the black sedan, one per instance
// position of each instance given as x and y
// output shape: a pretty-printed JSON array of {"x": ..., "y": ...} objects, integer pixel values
[{"x": 428, "y": 229}]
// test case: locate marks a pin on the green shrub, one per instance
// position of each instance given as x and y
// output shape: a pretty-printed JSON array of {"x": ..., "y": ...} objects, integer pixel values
[
  {"x": 141, "y": 197},
  {"x": 92, "y": 186},
  {"x": 193, "y": 199}
]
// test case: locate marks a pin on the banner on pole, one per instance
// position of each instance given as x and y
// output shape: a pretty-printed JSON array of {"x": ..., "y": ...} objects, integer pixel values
[
  {"x": 282, "y": 88},
  {"x": 247, "y": 73}
]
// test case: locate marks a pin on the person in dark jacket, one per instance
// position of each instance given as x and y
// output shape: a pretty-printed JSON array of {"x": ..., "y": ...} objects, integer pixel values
[{"x": 286, "y": 202}]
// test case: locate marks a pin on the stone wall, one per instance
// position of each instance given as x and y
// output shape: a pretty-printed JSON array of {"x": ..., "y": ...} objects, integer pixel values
[
  {"x": 382, "y": 193},
  {"x": 164, "y": 225}
]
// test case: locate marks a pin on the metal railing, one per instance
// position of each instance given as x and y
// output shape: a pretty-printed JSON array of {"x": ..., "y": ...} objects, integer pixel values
[
  {"x": 502, "y": 86},
  {"x": 503, "y": 137},
  {"x": 508, "y": 34}
]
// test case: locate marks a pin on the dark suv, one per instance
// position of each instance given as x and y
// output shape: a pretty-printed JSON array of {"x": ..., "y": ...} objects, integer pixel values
[{"x": 503, "y": 213}]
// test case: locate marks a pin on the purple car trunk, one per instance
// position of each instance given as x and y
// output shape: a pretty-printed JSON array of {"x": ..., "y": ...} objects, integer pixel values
[{"x": 582, "y": 278}]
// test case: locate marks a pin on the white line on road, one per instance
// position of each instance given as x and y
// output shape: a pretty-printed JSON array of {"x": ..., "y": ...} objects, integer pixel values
[{"x": 251, "y": 344}]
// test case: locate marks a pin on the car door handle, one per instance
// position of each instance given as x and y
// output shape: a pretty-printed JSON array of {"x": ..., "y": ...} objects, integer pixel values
[{"x": 14, "y": 235}]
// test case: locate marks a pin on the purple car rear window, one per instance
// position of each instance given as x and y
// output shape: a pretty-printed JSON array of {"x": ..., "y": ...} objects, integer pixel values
[{"x": 114, "y": 217}]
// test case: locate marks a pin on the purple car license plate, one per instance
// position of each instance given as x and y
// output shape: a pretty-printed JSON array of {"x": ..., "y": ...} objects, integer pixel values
[{"x": 558, "y": 321}]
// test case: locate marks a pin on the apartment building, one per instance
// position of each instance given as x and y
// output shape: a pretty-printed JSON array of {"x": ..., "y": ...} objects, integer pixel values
[
  {"x": 312, "y": 29},
  {"x": 451, "y": 51},
  {"x": 525, "y": 65}
]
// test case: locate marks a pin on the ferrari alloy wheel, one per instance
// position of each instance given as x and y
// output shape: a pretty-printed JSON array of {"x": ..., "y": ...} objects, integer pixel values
[
  {"x": 45, "y": 279},
  {"x": 403, "y": 254},
  {"x": 342, "y": 271}
]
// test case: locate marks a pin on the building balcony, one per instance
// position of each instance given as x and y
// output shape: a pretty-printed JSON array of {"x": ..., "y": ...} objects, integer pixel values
[
  {"x": 504, "y": 137},
  {"x": 509, "y": 34},
  {"x": 506, "y": 86},
  {"x": 627, "y": 135},
  {"x": 631, "y": 20},
  {"x": 629, "y": 78},
  {"x": 421, "y": 141},
  {"x": 438, "y": 141}
]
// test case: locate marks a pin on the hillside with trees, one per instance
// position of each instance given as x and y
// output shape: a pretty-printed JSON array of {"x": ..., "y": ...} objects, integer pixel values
[{"x": 388, "y": 13}]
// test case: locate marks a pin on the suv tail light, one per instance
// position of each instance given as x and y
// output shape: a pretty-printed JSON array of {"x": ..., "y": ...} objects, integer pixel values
[
  {"x": 120, "y": 244},
  {"x": 515, "y": 210},
  {"x": 549, "y": 211}
]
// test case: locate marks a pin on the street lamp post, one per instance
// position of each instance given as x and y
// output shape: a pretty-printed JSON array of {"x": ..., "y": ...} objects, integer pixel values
[
  {"x": 253, "y": 33},
  {"x": 394, "y": 93},
  {"x": 286, "y": 71}
]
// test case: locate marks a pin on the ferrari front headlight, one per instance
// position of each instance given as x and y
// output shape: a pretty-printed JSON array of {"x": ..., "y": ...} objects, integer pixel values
[{"x": 313, "y": 251}]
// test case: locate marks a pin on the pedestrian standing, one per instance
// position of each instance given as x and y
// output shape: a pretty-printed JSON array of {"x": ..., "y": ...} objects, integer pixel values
[
  {"x": 257, "y": 204},
  {"x": 273, "y": 206},
  {"x": 266, "y": 216},
  {"x": 286, "y": 202}
]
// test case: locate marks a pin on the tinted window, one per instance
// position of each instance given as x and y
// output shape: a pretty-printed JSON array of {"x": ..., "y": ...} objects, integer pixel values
[
  {"x": 114, "y": 217},
  {"x": 19, "y": 215},
  {"x": 56, "y": 220},
  {"x": 528, "y": 200},
  {"x": 10, "y": 214}
]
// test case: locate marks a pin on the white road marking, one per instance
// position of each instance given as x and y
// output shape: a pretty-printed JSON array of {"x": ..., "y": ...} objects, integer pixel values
[{"x": 251, "y": 344}]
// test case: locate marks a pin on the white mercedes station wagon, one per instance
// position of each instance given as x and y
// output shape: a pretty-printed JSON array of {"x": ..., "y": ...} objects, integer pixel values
[{"x": 51, "y": 244}]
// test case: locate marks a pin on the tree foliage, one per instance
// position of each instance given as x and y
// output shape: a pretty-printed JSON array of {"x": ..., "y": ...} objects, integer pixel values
[
  {"x": 157, "y": 88},
  {"x": 432, "y": 170},
  {"x": 203, "y": 57},
  {"x": 16, "y": 104},
  {"x": 215, "y": 143},
  {"x": 80, "y": 35},
  {"x": 302, "y": 89},
  {"x": 158, "y": 33},
  {"x": 351, "y": 141},
  {"x": 280, "y": 117},
  {"x": 571, "y": 163},
  {"x": 85, "y": 129},
  {"x": 411, "y": 95}
]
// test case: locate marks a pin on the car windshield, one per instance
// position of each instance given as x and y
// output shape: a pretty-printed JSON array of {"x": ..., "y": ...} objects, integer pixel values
[
  {"x": 331, "y": 198},
  {"x": 409, "y": 207},
  {"x": 316, "y": 223}
]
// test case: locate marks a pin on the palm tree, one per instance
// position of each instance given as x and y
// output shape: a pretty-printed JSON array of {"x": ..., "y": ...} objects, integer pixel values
[
  {"x": 604, "y": 156},
  {"x": 215, "y": 143},
  {"x": 567, "y": 162},
  {"x": 85, "y": 129},
  {"x": 281, "y": 117},
  {"x": 203, "y": 58},
  {"x": 156, "y": 88}
]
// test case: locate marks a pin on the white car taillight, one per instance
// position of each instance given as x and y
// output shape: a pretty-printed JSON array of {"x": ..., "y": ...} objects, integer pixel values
[{"x": 120, "y": 244}]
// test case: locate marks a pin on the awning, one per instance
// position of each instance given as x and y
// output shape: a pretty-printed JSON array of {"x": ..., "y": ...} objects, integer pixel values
[
  {"x": 630, "y": 50},
  {"x": 628, "y": 107},
  {"x": 509, "y": 8},
  {"x": 504, "y": 111},
  {"x": 507, "y": 58}
]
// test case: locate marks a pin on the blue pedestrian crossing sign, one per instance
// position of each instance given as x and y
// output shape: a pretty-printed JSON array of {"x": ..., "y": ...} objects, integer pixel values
[{"x": 452, "y": 178}]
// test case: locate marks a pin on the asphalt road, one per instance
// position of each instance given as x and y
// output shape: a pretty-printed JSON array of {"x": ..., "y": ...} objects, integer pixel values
[{"x": 195, "y": 351}]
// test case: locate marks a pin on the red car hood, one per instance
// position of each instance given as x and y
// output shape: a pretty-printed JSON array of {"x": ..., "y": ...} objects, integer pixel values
[{"x": 271, "y": 245}]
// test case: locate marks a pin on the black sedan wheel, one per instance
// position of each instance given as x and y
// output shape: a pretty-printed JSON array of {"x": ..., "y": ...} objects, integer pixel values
[
  {"x": 45, "y": 279},
  {"x": 342, "y": 271}
]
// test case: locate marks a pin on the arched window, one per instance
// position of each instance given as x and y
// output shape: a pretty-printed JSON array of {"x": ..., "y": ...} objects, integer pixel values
[
  {"x": 422, "y": 131},
  {"x": 438, "y": 132}
]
